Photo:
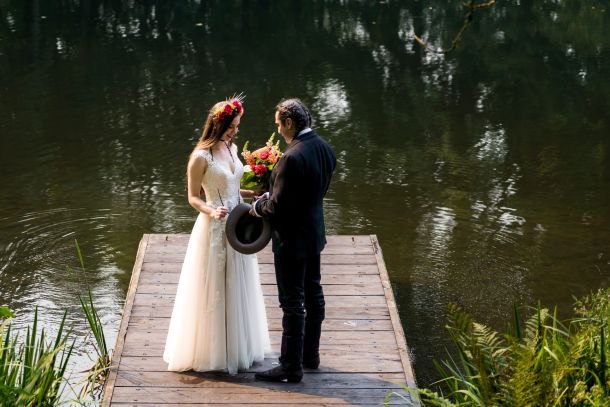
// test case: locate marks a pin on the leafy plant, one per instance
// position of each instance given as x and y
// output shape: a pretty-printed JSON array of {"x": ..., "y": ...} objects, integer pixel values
[
  {"x": 5, "y": 312},
  {"x": 541, "y": 362},
  {"x": 98, "y": 373},
  {"x": 33, "y": 374}
]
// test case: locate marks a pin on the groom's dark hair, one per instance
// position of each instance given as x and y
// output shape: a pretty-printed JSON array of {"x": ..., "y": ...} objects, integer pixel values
[{"x": 295, "y": 110}]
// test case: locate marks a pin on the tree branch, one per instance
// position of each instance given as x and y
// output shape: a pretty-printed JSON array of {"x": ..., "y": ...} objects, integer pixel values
[{"x": 468, "y": 18}]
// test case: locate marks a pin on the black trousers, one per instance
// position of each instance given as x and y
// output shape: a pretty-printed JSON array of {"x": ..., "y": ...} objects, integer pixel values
[{"x": 302, "y": 301}]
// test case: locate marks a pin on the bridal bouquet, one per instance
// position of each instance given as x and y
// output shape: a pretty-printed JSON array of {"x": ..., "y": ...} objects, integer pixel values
[{"x": 259, "y": 164}]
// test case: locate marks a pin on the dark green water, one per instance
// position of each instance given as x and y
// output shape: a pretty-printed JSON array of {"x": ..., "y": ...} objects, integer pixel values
[{"x": 485, "y": 173}]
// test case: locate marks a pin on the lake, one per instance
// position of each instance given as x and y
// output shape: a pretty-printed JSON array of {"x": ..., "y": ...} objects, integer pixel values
[{"x": 484, "y": 172}]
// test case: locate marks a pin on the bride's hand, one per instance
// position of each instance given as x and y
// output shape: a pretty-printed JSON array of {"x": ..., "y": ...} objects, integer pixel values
[{"x": 220, "y": 212}]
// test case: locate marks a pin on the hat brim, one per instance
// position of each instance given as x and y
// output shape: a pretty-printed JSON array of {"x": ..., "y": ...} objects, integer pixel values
[{"x": 247, "y": 234}]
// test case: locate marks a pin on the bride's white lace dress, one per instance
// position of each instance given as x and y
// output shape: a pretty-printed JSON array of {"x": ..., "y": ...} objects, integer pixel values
[{"x": 218, "y": 321}]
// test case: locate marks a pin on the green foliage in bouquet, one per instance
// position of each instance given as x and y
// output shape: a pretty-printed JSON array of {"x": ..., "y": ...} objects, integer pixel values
[{"x": 259, "y": 164}]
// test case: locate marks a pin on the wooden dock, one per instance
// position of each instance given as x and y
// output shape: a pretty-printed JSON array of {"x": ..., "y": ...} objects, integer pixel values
[{"x": 364, "y": 355}]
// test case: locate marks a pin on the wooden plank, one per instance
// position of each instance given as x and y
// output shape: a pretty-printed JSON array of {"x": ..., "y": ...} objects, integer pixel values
[
  {"x": 275, "y": 324},
  {"x": 248, "y": 394},
  {"x": 109, "y": 386},
  {"x": 271, "y": 289},
  {"x": 332, "y": 240},
  {"x": 218, "y": 379},
  {"x": 370, "y": 341},
  {"x": 383, "y": 351},
  {"x": 154, "y": 343},
  {"x": 267, "y": 278},
  {"x": 332, "y": 361},
  {"x": 395, "y": 318},
  {"x": 326, "y": 269},
  {"x": 268, "y": 258},
  {"x": 300, "y": 394},
  {"x": 271, "y": 301},
  {"x": 180, "y": 248},
  {"x": 344, "y": 313}
]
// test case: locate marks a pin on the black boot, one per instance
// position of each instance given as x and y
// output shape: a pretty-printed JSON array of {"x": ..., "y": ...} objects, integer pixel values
[
  {"x": 312, "y": 362},
  {"x": 290, "y": 369},
  {"x": 311, "y": 342},
  {"x": 280, "y": 374}
]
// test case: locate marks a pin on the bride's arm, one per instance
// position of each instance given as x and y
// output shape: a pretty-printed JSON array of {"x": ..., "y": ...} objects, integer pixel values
[{"x": 195, "y": 170}]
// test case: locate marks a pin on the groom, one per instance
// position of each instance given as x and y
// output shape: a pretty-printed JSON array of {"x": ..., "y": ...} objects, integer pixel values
[{"x": 298, "y": 184}]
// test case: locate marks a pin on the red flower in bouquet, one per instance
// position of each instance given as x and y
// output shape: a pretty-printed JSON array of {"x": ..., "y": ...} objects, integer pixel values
[
  {"x": 260, "y": 169},
  {"x": 260, "y": 163}
]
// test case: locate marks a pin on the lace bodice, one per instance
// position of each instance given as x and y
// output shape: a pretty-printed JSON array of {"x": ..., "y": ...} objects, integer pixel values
[{"x": 221, "y": 186}]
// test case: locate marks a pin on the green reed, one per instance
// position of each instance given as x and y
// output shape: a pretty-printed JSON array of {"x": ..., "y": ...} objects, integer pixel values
[
  {"x": 537, "y": 362},
  {"x": 32, "y": 374},
  {"x": 96, "y": 376}
]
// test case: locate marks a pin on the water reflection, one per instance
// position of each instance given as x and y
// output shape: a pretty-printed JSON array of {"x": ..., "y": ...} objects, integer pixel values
[
  {"x": 433, "y": 243},
  {"x": 492, "y": 146},
  {"x": 331, "y": 104}
]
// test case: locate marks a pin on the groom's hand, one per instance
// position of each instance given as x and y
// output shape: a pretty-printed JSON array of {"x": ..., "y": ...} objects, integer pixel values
[{"x": 252, "y": 211}]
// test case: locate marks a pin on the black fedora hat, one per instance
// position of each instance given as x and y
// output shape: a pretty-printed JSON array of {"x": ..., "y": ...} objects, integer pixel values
[{"x": 246, "y": 233}]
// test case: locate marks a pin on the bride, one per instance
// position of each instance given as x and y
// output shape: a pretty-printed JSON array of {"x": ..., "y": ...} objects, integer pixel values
[{"x": 218, "y": 321}]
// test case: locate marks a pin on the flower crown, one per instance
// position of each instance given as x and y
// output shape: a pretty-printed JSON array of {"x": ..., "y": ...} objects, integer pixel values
[{"x": 234, "y": 105}]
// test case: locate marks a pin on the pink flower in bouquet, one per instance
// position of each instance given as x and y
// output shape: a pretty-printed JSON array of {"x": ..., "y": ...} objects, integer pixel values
[
  {"x": 260, "y": 169},
  {"x": 262, "y": 153}
]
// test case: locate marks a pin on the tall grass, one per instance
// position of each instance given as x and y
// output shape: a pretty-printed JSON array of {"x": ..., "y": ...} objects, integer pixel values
[
  {"x": 98, "y": 373},
  {"x": 538, "y": 362},
  {"x": 32, "y": 374}
]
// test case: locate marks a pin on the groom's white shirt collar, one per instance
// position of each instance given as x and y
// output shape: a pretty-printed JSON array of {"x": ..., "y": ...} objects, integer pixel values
[{"x": 305, "y": 130}]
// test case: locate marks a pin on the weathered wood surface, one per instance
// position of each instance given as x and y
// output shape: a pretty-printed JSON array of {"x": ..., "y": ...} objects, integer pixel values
[{"x": 363, "y": 349}]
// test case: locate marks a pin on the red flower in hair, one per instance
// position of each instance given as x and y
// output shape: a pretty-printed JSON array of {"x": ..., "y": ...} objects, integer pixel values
[{"x": 227, "y": 110}]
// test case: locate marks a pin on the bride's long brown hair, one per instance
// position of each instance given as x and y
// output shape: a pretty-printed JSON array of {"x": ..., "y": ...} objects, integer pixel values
[{"x": 215, "y": 127}]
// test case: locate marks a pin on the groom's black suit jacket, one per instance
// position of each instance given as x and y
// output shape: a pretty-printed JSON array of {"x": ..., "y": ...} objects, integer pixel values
[{"x": 298, "y": 183}]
